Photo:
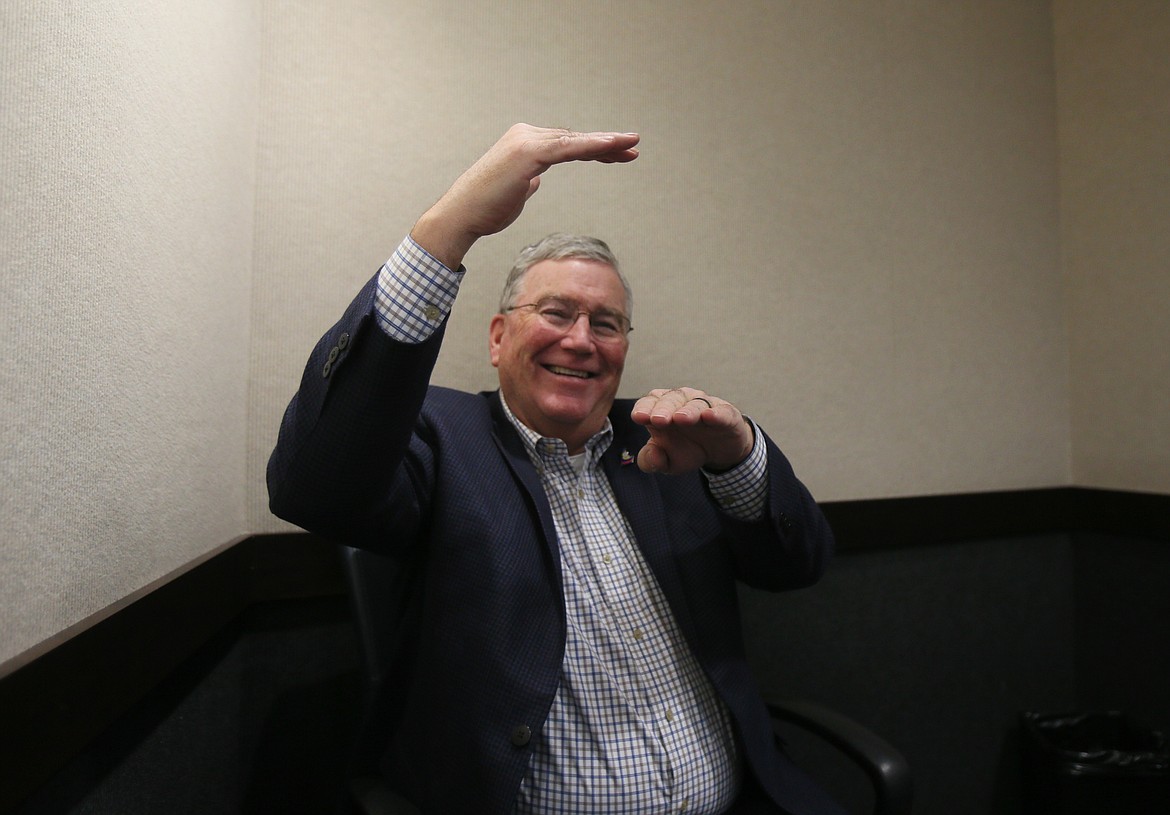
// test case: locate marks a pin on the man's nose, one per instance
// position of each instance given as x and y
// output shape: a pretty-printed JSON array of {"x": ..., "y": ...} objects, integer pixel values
[{"x": 580, "y": 333}]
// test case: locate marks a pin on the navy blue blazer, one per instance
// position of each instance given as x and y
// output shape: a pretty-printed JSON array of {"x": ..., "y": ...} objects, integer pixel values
[{"x": 371, "y": 455}]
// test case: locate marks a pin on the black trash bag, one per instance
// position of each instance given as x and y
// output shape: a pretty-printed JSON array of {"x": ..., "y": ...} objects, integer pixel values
[{"x": 1094, "y": 762}]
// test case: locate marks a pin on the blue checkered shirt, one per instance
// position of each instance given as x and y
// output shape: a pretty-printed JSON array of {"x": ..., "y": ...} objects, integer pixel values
[{"x": 635, "y": 726}]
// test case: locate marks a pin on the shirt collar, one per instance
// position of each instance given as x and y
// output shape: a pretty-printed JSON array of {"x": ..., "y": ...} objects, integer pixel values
[{"x": 540, "y": 447}]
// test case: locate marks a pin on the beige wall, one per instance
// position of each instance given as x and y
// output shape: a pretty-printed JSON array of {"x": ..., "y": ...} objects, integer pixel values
[
  {"x": 1113, "y": 64},
  {"x": 127, "y": 156},
  {"x": 845, "y": 219}
]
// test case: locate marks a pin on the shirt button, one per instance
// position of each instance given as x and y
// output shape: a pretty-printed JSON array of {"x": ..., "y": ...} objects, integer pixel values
[
  {"x": 670, "y": 718},
  {"x": 431, "y": 313},
  {"x": 682, "y": 805},
  {"x": 638, "y": 634},
  {"x": 607, "y": 558}
]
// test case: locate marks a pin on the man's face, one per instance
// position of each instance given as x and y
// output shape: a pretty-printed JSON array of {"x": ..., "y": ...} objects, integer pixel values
[{"x": 561, "y": 383}]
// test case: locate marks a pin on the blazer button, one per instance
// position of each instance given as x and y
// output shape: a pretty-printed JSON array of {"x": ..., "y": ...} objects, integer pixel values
[
  {"x": 343, "y": 340},
  {"x": 521, "y": 735}
]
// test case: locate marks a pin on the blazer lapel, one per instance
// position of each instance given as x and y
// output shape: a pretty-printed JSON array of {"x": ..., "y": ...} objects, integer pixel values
[
  {"x": 640, "y": 500},
  {"x": 511, "y": 446},
  {"x": 637, "y": 493}
]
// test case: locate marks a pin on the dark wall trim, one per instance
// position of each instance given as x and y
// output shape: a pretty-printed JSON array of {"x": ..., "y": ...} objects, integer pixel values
[
  {"x": 923, "y": 520},
  {"x": 53, "y": 705}
]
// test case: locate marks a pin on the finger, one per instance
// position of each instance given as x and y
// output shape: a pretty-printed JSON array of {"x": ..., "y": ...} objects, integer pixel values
[
  {"x": 694, "y": 406},
  {"x": 711, "y": 410},
  {"x": 565, "y": 145},
  {"x": 653, "y": 459},
  {"x": 663, "y": 406},
  {"x": 721, "y": 413},
  {"x": 619, "y": 156},
  {"x": 644, "y": 407},
  {"x": 697, "y": 404},
  {"x": 668, "y": 407}
]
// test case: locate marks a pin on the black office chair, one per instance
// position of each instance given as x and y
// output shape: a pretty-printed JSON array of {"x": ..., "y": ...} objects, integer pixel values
[{"x": 381, "y": 591}]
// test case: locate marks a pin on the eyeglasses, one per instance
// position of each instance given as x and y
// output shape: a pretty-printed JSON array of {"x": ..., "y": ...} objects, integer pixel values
[{"x": 562, "y": 314}]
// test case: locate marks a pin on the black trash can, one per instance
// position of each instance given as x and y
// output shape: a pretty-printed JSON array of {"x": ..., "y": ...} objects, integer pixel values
[{"x": 1094, "y": 764}]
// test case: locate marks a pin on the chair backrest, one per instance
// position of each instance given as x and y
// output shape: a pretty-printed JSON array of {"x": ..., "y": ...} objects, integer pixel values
[{"x": 384, "y": 596}]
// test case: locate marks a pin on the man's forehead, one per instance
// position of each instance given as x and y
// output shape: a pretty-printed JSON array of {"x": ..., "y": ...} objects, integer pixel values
[
  {"x": 571, "y": 278},
  {"x": 570, "y": 265}
]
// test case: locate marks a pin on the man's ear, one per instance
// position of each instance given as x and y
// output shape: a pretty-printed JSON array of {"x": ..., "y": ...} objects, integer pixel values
[{"x": 495, "y": 338}]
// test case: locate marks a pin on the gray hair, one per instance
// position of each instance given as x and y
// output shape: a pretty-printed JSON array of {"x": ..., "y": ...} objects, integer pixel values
[{"x": 562, "y": 246}]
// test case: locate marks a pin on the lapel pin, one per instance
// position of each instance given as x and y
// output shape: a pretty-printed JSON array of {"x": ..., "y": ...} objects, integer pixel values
[{"x": 626, "y": 457}]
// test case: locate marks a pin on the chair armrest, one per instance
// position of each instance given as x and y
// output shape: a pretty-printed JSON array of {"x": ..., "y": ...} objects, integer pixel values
[
  {"x": 887, "y": 768},
  {"x": 373, "y": 797}
]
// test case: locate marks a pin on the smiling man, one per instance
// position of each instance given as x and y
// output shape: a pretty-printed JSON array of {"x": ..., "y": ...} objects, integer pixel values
[
  {"x": 577, "y": 645},
  {"x": 558, "y": 372}
]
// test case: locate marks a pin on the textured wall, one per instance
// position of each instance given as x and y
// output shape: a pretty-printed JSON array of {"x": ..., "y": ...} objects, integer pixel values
[
  {"x": 844, "y": 217},
  {"x": 938, "y": 650},
  {"x": 127, "y": 137},
  {"x": 1114, "y": 91}
]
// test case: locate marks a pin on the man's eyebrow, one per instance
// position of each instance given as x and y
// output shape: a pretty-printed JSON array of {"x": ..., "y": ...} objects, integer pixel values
[{"x": 604, "y": 311}]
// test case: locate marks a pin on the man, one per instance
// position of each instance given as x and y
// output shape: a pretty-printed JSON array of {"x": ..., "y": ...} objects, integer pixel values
[{"x": 578, "y": 646}]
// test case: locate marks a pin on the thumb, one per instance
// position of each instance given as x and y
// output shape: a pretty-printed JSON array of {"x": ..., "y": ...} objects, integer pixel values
[
  {"x": 653, "y": 459},
  {"x": 533, "y": 186}
]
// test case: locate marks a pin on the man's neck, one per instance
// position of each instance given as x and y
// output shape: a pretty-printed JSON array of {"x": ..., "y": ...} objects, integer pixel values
[{"x": 575, "y": 442}]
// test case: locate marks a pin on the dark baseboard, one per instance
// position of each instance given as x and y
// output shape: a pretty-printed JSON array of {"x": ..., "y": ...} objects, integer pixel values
[
  {"x": 926, "y": 520},
  {"x": 55, "y": 702}
]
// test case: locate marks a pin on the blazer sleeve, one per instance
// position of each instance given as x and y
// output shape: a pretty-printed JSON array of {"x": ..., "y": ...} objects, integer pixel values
[
  {"x": 346, "y": 431},
  {"x": 791, "y": 546}
]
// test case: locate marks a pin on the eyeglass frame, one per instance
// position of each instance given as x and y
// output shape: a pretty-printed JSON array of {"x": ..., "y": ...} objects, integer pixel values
[{"x": 577, "y": 312}]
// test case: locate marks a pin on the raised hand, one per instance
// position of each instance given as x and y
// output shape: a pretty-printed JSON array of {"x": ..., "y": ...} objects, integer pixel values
[
  {"x": 491, "y": 194},
  {"x": 690, "y": 429}
]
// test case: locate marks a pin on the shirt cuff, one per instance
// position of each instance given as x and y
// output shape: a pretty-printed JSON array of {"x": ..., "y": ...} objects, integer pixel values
[
  {"x": 415, "y": 293},
  {"x": 742, "y": 491}
]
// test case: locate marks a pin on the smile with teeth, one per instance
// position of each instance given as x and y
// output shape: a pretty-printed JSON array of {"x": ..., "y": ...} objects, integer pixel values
[{"x": 557, "y": 369}]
